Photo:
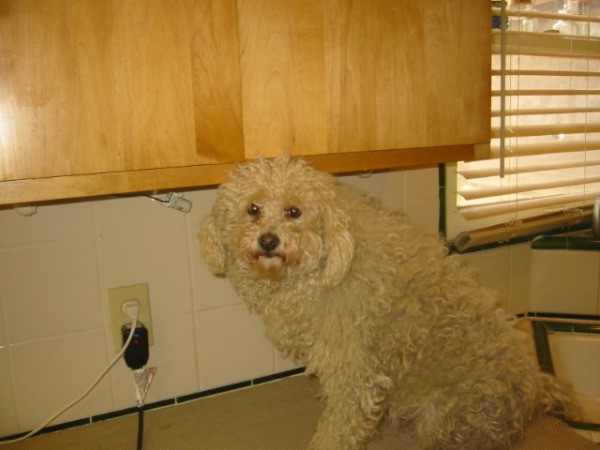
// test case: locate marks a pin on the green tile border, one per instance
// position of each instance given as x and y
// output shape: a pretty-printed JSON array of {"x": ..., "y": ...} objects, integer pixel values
[
  {"x": 542, "y": 346},
  {"x": 586, "y": 243},
  {"x": 586, "y": 328}
]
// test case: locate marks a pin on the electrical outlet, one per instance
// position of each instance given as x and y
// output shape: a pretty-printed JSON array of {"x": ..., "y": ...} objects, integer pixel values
[{"x": 116, "y": 298}]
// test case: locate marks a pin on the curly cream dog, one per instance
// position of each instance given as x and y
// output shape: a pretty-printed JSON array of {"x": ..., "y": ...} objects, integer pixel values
[{"x": 392, "y": 327}]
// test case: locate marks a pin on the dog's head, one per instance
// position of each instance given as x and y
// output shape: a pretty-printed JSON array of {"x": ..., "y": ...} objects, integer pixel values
[{"x": 279, "y": 220}]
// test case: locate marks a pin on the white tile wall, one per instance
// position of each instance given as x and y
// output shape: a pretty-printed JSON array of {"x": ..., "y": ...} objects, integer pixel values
[
  {"x": 493, "y": 269},
  {"x": 519, "y": 298},
  {"x": 506, "y": 271},
  {"x": 8, "y": 411},
  {"x": 235, "y": 346},
  {"x": 553, "y": 281},
  {"x": 50, "y": 289},
  {"x": 56, "y": 268},
  {"x": 47, "y": 373},
  {"x": 414, "y": 191},
  {"x": 565, "y": 281}
]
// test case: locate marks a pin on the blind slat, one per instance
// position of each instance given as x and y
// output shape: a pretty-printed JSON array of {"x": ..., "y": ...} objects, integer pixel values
[
  {"x": 517, "y": 229},
  {"x": 546, "y": 44},
  {"x": 549, "y": 54},
  {"x": 543, "y": 111},
  {"x": 497, "y": 191},
  {"x": 546, "y": 130},
  {"x": 544, "y": 148},
  {"x": 479, "y": 212},
  {"x": 545, "y": 92},
  {"x": 535, "y": 14},
  {"x": 471, "y": 174},
  {"x": 546, "y": 73}
]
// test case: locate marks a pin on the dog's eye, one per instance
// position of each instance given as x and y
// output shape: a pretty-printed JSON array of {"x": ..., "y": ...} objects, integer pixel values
[
  {"x": 293, "y": 212},
  {"x": 254, "y": 210}
]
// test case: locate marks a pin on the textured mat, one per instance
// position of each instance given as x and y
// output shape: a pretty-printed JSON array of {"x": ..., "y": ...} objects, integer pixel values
[{"x": 276, "y": 416}]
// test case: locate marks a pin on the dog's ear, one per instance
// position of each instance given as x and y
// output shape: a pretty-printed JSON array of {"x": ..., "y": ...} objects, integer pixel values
[
  {"x": 211, "y": 247},
  {"x": 339, "y": 247}
]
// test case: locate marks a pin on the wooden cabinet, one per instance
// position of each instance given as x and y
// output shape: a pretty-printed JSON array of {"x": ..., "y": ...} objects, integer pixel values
[
  {"x": 350, "y": 76},
  {"x": 108, "y": 96},
  {"x": 98, "y": 86}
]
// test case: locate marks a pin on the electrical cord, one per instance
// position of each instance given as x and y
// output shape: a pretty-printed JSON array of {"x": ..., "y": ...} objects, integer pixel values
[
  {"x": 81, "y": 397},
  {"x": 140, "y": 435},
  {"x": 142, "y": 377},
  {"x": 136, "y": 357}
]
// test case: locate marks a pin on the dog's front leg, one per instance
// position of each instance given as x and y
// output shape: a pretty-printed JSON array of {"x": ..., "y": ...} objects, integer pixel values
[{"x": 354, "y": 407}]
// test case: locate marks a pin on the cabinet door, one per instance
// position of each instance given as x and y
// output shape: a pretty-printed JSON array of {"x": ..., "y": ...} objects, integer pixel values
[
  {"x": 327, "y": 76},
  {"x": 108, "y": 86}
]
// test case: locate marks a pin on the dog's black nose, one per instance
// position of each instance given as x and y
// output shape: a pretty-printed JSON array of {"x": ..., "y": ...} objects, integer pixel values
[{"x": 268, "y": 242}]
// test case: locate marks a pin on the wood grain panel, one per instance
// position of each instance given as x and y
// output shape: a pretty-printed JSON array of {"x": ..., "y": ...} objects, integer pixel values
[
  {"x": 216, "y": 81},
  {"x": 342, "y": 76},
  {"x": 93, "y": 185},
  {"x": 457, "y": 61},
  {"x": 376, "y": 95},
  {"x": 150, "y": 57},
  {"x": 283, "y": 76},
  {"x": 99, "y": 86},
  {"x": 44, "y": 107}
]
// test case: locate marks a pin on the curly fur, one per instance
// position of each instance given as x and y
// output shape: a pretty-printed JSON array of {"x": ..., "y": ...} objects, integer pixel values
[{"x": 392, "y": 326}]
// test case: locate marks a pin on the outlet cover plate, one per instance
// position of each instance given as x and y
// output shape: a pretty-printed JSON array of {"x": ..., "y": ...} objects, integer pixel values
[{"x": 116, "y": 297}]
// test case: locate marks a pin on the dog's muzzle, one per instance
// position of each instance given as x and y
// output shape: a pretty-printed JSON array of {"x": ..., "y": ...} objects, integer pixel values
[
  {"x": 268, "y": 242},
  {"x": 270, "y": 260}
]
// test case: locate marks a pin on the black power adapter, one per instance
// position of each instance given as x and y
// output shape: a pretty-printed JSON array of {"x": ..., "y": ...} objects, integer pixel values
[{"x": 137, "y": 352}]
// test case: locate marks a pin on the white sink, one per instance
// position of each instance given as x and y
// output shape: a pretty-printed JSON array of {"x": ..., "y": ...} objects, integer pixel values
[{"x": 576, "y": 359}]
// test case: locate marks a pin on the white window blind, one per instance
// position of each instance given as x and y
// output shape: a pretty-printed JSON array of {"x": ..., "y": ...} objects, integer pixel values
[{"x": 544, "y": 154}]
